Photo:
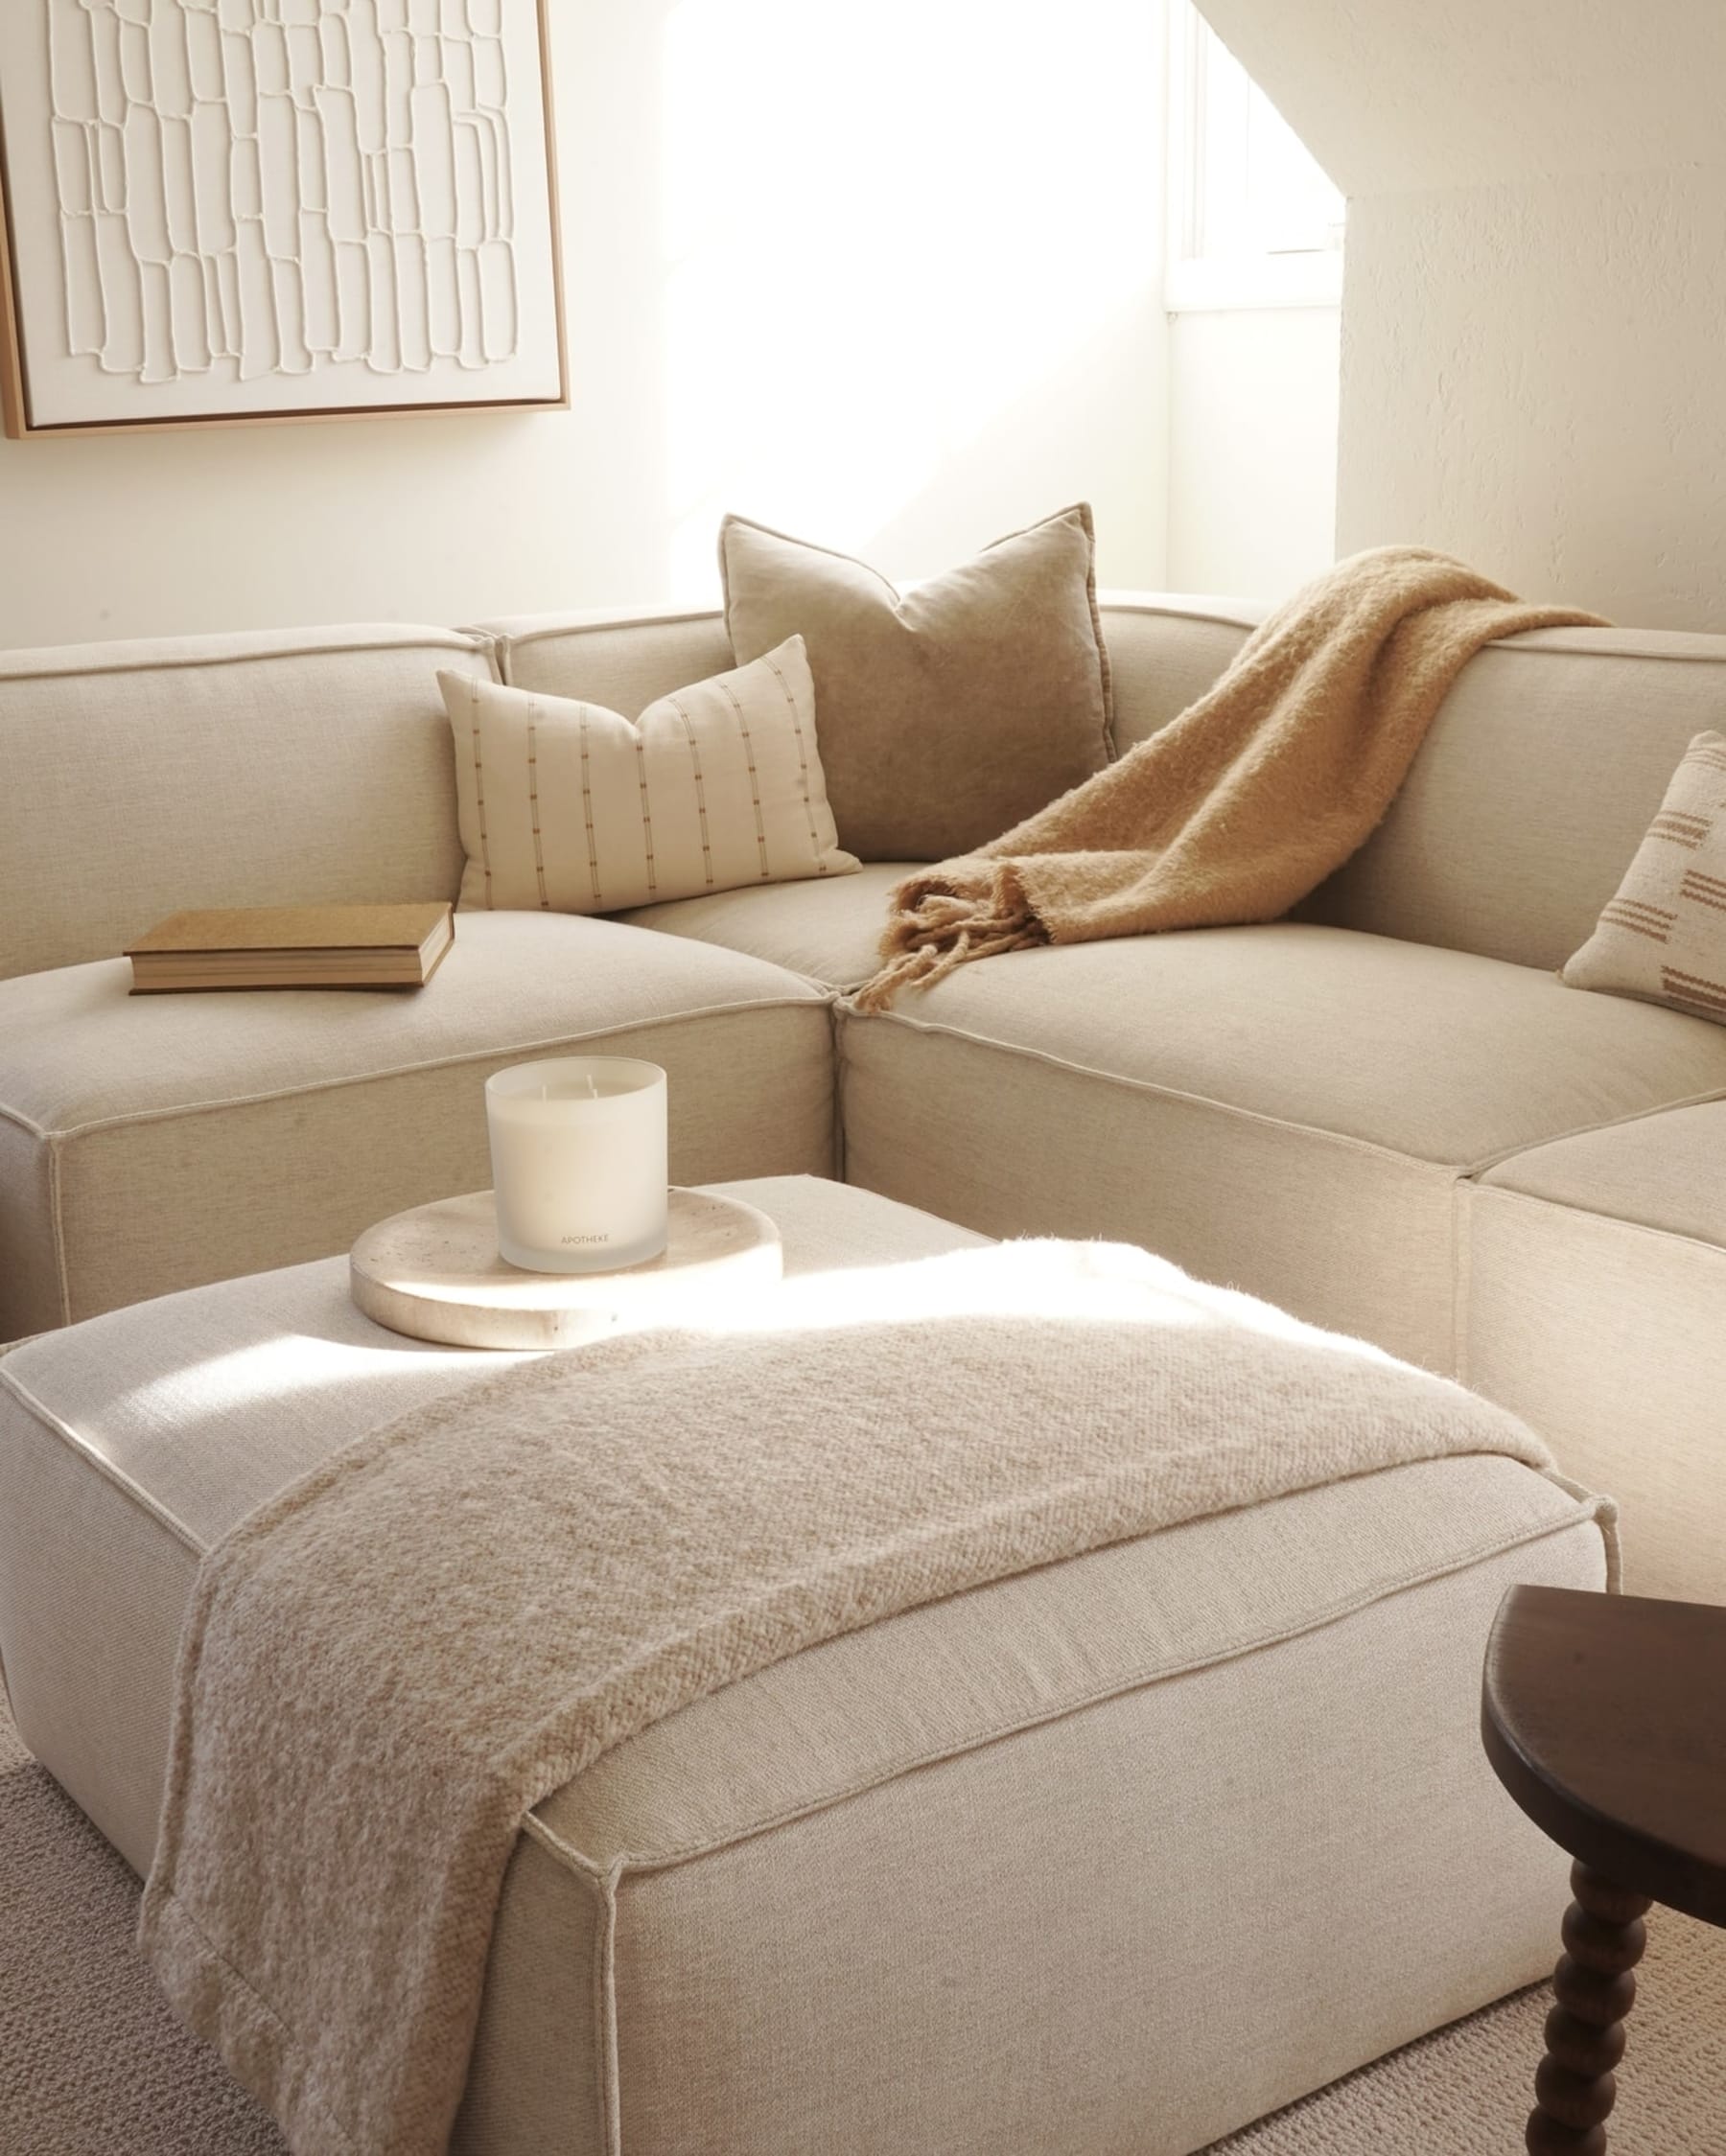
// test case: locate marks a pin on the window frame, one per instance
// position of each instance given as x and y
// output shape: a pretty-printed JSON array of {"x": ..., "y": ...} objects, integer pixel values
[{"x": 1195, "y": 283}]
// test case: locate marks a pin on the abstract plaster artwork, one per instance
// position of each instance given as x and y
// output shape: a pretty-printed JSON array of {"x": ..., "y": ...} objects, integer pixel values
[{"x": 260, "y": 206}]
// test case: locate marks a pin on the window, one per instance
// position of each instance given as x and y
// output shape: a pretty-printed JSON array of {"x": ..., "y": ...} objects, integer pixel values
[{"x": 1253, "y": 221}]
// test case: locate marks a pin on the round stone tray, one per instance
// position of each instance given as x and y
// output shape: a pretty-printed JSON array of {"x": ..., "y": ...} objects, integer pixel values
[{"x": 435, "y": 1274}]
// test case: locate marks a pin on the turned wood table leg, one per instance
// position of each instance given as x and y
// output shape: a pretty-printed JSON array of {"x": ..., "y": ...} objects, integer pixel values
[{"x": 1575, "y": 2089}]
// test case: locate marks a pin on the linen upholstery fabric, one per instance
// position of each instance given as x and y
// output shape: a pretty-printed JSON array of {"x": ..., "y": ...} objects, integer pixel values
[
  {"x": 571, "y": 808},
  {"x": 1247, "y": 801},
  {"x": 828, "y": 932},
  {"x": 1533, "y": 787},
  {"x": 1663, "y": 936},
  {"x": 1597, "y": 1274},
  {"x": 624, "y": 660},
  {"x": 154, "y": 1142},
  {"x": 947, "y": 711},
  {"x": 1163, "y": 653},
  {"x": 192, "y": 1411},
  {"x": 299, "y": 767},
  {"x": 654, "y": 1966},
  {"x": 723, "y": 1501},
  {"x": 1297, "y": 1105},
  {"x": 1536, "y": 785}
]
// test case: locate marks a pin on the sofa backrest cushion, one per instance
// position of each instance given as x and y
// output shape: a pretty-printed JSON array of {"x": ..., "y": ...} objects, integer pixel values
[
  {"x": 1532, "y": 792},
  {"x": 1163, "y": 653},
  {"x": 1526, "y": 801},
  {"x": 622, "y": 661},
  {"x": 306, "y": 766},
  {"x": 1169, "y": 652},
  {"x": 315, "y": 765}
]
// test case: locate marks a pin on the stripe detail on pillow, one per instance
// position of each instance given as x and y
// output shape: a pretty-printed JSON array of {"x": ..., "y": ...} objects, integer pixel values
[
  {"x": 570, "y": 807},
  {"x": 755, "y": 780},
  {"x": 1708, "y": 997},
  {"x": 1673, "y": 898},
  {"x": 473, "y": 690},
  {"x": 707, "y": 849},
  {"x": 587, "y": 813},
  {"x": 539, "y": 851},
  {"x": 803, "y": 754}
]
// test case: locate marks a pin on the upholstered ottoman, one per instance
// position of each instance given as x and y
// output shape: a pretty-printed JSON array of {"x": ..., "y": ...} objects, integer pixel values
[{"x": 1112, "y": 1856}]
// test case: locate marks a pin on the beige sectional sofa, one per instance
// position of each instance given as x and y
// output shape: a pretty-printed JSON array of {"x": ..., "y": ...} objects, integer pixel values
[{"x": 1387, "y": 1115}]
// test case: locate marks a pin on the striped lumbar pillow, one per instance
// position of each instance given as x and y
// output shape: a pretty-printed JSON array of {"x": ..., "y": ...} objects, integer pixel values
[
  {"x": 1664, "y": 937},
  {"x": 570, "y": 808}
]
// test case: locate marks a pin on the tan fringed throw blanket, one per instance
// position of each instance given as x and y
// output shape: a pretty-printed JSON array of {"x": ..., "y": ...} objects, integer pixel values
[
  {"x": 1245, "y": 803},
  {"x": 387, "y": 1666}
]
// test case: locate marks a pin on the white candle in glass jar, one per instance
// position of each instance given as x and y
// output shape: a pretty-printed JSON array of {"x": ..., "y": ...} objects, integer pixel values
[{"x": 579, "y": 1168}]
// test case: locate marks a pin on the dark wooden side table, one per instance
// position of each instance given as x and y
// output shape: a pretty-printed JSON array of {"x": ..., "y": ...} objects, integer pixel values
[{"x": 1605, "y": 1716}]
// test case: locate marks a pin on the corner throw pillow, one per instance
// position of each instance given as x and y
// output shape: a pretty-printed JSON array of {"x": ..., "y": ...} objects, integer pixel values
[
  {"x": 570, "y": 808},
  {"x": 1664, "y": 937},
  {"x": 950, "y": 712}
]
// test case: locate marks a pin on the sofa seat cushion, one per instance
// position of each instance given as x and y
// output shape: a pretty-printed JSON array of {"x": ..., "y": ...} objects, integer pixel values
[
  {"x": 1595, "y": 1286},
  {"x": 1666, "y": 1171},
  {"x": 1288, "y": 1107},
  {"x": 1084, "y": 1821},
  {"x": 149, "y": 1143},
  {"x": 828, "y": 932}
]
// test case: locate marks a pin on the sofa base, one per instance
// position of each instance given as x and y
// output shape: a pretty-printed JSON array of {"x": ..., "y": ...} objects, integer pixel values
[{"x": 1109, "y": 1857}]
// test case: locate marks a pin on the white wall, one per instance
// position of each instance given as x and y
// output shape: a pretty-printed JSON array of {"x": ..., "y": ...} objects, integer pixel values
[
  {"x": 1534, "y": 308},
  {"x": 888, "y": 277},
  {"x": 1534, "y": 376},
  {"x": 1252, "y": 449}
]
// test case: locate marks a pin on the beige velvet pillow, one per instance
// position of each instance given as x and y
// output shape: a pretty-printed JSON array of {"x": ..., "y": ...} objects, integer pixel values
[
  {"x": 570, "y": 808},
  {"x": 950, "y": 712},
  {"x": 1664, "y": 937}
]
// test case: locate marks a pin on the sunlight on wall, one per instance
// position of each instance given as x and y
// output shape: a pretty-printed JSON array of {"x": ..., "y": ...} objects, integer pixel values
[
  {"x": 883, "y": 229},
  {"x": 887, "y": 276}
]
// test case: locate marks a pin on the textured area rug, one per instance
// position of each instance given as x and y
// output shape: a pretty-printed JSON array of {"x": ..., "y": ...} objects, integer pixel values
[{"x": 93, "y": 2064}]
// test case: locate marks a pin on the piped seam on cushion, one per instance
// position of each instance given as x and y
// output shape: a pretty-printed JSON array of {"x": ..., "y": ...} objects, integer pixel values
[
  {"x": 1600, "y": 1509},
  {"x": 1587, "y": 1129},
  {"x": 1525, "y": 642},
  {"x": 1462, "y": 1278},
  {"x": 1646, "y": 1228},
  {"x": 835, "y": 1092},
  {"x": 1150, "y": 1086},
  {"x": 1110, "y": 601},
  {"x": 1456, "y": 1170},
  {"x": 435, "y": 641},
  {"x": 602, "y": 1977},
  {"x": 467, "y": 1056},
  {"x": 57, "y": 1228},
  {"x": 41, "y": 1413}
]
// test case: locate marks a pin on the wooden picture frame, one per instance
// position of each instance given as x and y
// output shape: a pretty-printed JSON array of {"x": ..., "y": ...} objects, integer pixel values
[{"x": 491, "y": 214}]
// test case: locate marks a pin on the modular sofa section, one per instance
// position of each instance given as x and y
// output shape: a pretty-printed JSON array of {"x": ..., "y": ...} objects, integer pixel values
[
  {"x": 151, "y": 1144},
  {"x": 1596, "y": 1308},
  {"x": 1038, "y": 1866},
  {"x": 1289, "y": 1109},
  {"x": 305, "y": 767}
]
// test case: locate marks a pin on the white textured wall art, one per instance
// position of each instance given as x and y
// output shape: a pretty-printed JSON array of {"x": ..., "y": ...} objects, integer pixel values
[{"x": 228, "y": 208}]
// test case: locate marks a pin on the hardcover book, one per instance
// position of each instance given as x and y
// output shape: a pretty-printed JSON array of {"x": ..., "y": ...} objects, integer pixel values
[{"x": 294, "y": 947}]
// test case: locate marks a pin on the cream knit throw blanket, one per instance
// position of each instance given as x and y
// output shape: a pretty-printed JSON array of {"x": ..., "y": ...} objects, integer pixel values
[
  {"x": 1245, "y": 803},
  {"x": 385, "y": 1667}
]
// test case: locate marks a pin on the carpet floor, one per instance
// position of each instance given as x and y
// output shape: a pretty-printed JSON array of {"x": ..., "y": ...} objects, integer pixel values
[{"x": 93, "y": 2064}]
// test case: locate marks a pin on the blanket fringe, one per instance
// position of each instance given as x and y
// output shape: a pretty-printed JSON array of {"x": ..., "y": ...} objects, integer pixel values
[{"x": 937, "y": 931}]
